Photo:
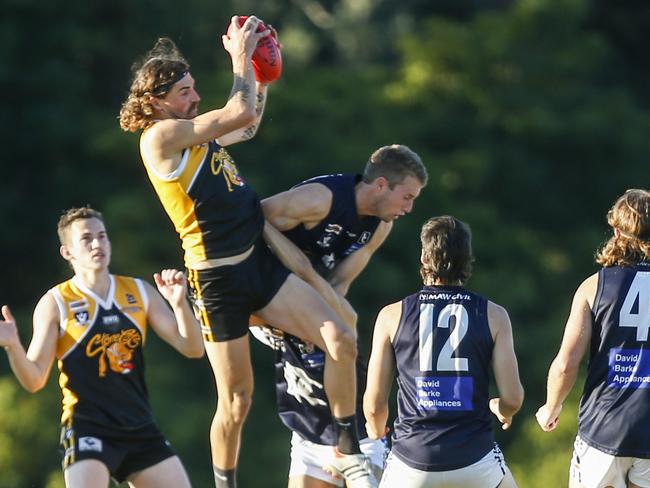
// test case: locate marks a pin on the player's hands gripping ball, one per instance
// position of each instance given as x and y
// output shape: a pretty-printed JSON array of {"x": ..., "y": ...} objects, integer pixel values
[{"x": 267, "y": 57}]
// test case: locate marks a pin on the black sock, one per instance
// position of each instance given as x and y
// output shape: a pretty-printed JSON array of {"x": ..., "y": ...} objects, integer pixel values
[
  {"x": 224, "y": 478},
  {"x": 347, "y": 436}
]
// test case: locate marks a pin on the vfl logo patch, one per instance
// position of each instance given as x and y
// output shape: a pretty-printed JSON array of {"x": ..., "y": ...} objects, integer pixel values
[
  {"x": 130, "y": 299},
  {"x": 90, "y": 444},
  {"x": 82, "y": 317}
]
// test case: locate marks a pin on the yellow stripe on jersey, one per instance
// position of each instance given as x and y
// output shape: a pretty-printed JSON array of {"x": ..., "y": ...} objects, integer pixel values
[
  {"x": 204, "y": 319},
  {"x": 173, "y": 194}
]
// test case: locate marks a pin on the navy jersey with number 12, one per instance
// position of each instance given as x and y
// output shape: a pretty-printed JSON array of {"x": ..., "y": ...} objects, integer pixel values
[{"x": 443, "y": 348}]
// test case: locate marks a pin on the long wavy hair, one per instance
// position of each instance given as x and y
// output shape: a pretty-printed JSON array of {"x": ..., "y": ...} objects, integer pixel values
[
  {"x": 630, "y": 219},
  {"x": 153, "y": 76}
]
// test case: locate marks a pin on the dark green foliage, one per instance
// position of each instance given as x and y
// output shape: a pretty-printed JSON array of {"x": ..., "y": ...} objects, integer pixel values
[{"x": 531, "y": 120}]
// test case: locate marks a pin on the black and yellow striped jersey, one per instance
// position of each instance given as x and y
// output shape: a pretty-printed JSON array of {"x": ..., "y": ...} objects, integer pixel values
[
  {"x": 215, "y": 213},
  {"x": 99, "y": 352}
]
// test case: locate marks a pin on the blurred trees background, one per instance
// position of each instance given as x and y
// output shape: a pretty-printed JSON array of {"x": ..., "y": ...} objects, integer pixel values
[{"x": 532, "y": 117}]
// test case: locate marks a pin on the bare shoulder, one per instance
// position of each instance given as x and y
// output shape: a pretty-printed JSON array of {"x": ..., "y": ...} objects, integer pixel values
[
  {"x": 586, "y": 292},
  {"x": 498, "y": 318},
  {"x": 47, "y": 310},
  {"x": 388, "y": 319},
  {"x": 316, "y": 195}
]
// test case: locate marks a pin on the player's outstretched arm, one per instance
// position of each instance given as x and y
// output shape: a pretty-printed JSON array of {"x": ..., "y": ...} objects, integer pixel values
[
  {"x": 296, "y": 261},
  {"x": 504, "y": 364},
  {"x": 564, "y": 368},
  {"x": 381, "y": 371},
  {"x": 248, "y": 132},
  {"x": 178, "y": 326},
  {"x": 171, "y": 135},
  {"x": 32, "y": 368}
]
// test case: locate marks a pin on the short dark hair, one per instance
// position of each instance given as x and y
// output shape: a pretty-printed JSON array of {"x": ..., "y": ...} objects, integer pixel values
[
  {"x": 446, "y": 250},
  {"x": 395, "y": 163},
  {"x": 72, "y": 214}
]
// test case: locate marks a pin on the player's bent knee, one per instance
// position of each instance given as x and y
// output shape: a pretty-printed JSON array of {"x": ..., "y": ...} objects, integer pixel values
[{"x": 343, "y": 346}]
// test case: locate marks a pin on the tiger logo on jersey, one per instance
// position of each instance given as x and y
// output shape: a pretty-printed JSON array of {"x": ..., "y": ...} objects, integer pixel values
[
  {"x": 222, "y": 163},
  {"x": 114, "y": 351}
]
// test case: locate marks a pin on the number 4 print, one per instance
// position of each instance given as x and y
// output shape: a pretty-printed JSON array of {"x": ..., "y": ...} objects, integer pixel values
[
  {"x": 446, "y": 360},
  {"x": 639, "y": 294}
]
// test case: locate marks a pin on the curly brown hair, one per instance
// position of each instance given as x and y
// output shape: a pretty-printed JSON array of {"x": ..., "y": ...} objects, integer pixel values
[
  {"x": 446, "y": 251},
  {"x": 154, "y": 76},
  {"x": 630, "y": 218}
]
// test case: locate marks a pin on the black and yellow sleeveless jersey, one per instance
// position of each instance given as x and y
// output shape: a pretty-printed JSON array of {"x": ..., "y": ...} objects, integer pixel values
[
  {"x": 215, "y": 213},
  {"x": 99, "y": 352}
]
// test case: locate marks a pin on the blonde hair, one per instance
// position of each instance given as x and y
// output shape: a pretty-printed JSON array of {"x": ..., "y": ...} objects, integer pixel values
[
  {"x": 630, "y": 218},
  {"x": 154, "y": 76}
]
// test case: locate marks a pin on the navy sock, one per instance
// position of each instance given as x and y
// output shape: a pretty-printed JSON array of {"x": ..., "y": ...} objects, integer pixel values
[
  {"x": 224, "y": 478},
  {"x": 347, "y": 436}
]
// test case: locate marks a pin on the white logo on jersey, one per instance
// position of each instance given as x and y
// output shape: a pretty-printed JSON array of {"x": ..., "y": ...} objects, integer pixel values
[
  {"x": 329, "y": 260},
  {"x": 330, "y": 231},
  {"x": 90, "y": 444},
  {"x": 365, "y": 237},
  {"x": 301, "y": 386},
  {"x": 110, "y": 319}
]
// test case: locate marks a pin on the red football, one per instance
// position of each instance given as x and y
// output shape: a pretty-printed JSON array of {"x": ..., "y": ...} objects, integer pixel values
[{"x": 267, "y": 59}]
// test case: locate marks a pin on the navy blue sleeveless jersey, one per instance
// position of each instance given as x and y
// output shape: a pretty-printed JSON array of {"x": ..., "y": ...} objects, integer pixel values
[
  {"x": 341, "y": 232},
  {"x": 615, "y": 407},
  {"x": 300, "y": 390},
  {"x": 443, "y": 349}
]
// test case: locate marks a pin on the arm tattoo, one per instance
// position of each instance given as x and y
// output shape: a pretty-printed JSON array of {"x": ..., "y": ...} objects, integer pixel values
[
  {"x": 261, "y": 101},
  {"x": 240, "y": 85},
  {"x": 249, "y": 132}
]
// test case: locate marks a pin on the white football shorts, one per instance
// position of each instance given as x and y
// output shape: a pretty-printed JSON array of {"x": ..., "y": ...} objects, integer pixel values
[
  {"x": 487, "y": 472},
  {"x": 308, "y": 459},
  {"x": 593, "y": 468}
]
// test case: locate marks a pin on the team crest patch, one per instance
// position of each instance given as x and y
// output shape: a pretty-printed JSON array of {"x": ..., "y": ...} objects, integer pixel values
[
  {"x": 90, "y": 444},
  {"x": 222, "y": 162}
]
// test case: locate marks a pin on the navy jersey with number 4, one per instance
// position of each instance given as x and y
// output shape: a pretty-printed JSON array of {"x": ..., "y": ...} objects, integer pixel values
[
  {"x": 615, "y": 408},
  {"x": 341, "y": 232},
  {"x": 443, "y": 349}
]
